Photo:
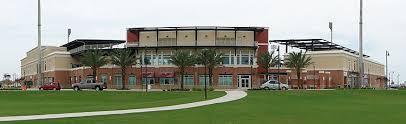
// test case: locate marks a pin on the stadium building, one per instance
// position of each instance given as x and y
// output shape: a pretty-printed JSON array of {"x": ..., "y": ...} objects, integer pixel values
[{"x": 334, "y": 66}]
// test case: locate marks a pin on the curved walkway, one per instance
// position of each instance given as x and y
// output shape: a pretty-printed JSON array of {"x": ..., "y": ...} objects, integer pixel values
[{"x": 231, "y": 96}]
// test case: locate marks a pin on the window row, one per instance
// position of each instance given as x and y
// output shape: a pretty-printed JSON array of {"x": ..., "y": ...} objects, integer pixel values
[
  {"x": 224, "y": 80},
  {"x": 241, "y": 57}
]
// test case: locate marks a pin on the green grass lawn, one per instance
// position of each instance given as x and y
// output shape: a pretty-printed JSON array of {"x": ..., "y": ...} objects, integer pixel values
[
  {"x": 46, "y": 102},
  {"x": 293, "y": 107}
]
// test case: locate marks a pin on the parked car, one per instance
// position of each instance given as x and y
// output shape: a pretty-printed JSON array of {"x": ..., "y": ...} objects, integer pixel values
[
  {"x": 274, "y": 85},
  {"x": 89, "y": 84},
  {"x": 395, "y": 86},
  {"x": 50, "y": 86}
]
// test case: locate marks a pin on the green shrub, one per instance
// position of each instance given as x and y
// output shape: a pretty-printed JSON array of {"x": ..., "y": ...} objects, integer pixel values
[{"x": 197, "y": 89}]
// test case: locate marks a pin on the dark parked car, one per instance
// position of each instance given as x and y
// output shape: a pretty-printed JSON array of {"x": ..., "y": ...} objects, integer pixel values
[{"x": 50, "y": 86}]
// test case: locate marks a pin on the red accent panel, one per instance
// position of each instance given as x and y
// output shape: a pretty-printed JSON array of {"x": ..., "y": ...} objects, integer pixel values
[
  {"x": 262, "y": 38},
  {"x": 132, "y": 36}
]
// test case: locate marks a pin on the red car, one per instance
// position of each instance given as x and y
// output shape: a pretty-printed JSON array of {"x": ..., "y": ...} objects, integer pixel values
[{"x": 50, "y": 86}]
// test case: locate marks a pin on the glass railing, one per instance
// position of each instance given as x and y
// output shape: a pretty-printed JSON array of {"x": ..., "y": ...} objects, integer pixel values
[
  {"x": 217, "y": 43},
  {"x": 94, "y": 46}
]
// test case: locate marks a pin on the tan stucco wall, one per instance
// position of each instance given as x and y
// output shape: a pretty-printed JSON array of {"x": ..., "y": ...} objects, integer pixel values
[
  {"x": 225, "y": 34},
  {"x": 341, "y": 60},
  {"x": 148, "y": 38},
  {"x": 55, "y": 58},
  {"x": 202, "y": 40},
  {"x": 245, "y": 38},
  {"x": 186, "y": 38}
]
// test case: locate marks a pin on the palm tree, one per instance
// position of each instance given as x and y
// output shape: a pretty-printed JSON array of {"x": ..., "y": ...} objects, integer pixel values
[
  {"x": 94, "y": 59},
  {"x": 267, "y": 60},
  {"x": 298, "y": 61},
  {"x": 182, "y": 59},
  {"x": 123, "y": 58},
  {"x": 210, "y": 59}
]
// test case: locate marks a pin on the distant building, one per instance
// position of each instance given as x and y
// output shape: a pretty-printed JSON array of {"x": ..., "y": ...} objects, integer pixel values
[{"x": 334, "y": 67}]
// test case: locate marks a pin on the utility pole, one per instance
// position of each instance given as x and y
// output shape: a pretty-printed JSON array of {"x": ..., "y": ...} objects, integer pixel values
[
  {"x": 40, "y": 76},
  {"x": 361, "y": 54}
]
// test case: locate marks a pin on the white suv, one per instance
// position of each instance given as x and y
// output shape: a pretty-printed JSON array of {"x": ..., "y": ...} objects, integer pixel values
[{"x": 274, "y": 85}]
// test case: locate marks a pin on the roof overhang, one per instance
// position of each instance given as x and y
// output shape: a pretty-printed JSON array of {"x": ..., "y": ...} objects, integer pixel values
[
  {"x": 314, "y": 45},
  {"x": 80, "y": 42},
  {"x": 197, "y": 28}
]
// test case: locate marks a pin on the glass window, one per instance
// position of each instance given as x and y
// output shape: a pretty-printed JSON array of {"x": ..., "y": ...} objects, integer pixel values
[
  {"x": 118, "y": 80},
  {"x": 50, "y": 80},
  {"x": 167, "y": 81},
  {"x": 272, "y": 77},
  {"x": 103, "y": 78},
  {"x": 165, "y": 59},
  {"x": 148, "y": 60},
  {"x": 238, "y": 59},
  {"x": 226, "y": 80},
  {"x": 150, "y": 80},
  {"x": 245, "y": 60},
  {"x": 188, "y": 80},
  {"x": 232, "y": 59},
  {"x": 226, "y": 60},
  {"x": 132, "y": 80}
]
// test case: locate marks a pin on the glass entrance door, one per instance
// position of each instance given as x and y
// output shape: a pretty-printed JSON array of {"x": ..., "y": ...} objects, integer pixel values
[
  {"x": 244, "y": 81},
  {"x": 118, "y": 80}
]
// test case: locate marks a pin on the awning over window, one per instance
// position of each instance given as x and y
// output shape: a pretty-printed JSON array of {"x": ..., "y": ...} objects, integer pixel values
[
  {"x": 148, "y": 74},
  {"x": 167, "y": 74}
]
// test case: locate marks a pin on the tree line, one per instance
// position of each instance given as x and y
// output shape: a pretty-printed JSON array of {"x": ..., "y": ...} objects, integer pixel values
[{"x": 209, "y": 58}]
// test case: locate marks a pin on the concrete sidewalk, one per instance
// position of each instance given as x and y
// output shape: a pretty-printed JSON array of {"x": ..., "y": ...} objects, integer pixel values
[{"x": 231, "y": 96}]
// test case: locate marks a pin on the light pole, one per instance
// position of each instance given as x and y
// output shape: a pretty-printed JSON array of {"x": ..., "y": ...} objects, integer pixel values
[
  {"x": 146, "y": 70},
  {"x": 391, "y": 77},
  {"x": 386, "y": 69},
  {"x": 314, "y": 76},
  {"x": 40, "y": 79},
  {"x": 205, "y": 73},
  {"x": 69, "y": 32},
  {"x": 361, "y": 54},
  {"x": 279, "y": 64},
  {"x": 251, "y": 63},
  {"x": 331, "y": 32}
]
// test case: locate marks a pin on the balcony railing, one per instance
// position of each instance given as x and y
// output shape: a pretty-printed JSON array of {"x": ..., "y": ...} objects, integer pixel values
[
  {"x": 88, "y": 47},
  {"x": 217, "y": 43}
]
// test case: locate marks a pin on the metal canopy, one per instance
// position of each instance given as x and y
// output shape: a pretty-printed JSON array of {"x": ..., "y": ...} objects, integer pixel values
[
  {"x": 81, "y": 42},
  {"x": 314, "y": 45}
]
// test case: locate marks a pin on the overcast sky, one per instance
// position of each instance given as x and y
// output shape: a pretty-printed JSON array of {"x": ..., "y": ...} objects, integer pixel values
[{"x": 108, "y": 19}]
